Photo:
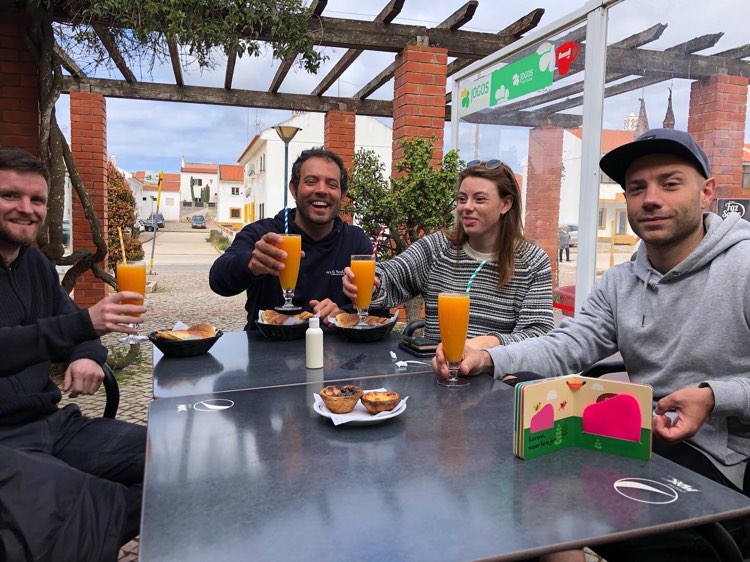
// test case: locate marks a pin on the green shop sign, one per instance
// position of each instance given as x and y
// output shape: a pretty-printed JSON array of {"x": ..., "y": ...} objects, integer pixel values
[{"x": 513, "y": 80}]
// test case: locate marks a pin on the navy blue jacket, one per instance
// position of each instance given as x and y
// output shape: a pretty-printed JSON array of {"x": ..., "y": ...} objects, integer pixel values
[{"x": 320, "y": 270}]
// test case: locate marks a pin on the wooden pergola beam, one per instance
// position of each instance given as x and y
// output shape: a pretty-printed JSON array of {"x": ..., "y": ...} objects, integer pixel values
[
  {"x": 229, "y": 76},
  {"x": 221, "y": 96},
  {"x": 315, "y": 10},
  {"x": 458, "y": 18},
  {"x": 511, "y": 33},
  {"x": 526, "y": 119},
  {"x": 386, "y": 15},
  {"x": 697, "y": 44},
  {"x": 109, "y": 43},
  {"x": 174, "y": 57},
  {"x": 67, "y": 62}
]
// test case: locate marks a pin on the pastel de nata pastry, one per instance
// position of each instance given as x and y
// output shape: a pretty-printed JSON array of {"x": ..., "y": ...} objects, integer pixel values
[
  {"x": 345, "y": 320},
  {"x": 341, "y": 399},
  {"x": 195, "y": 332},
  {"x": 380, "y": 401},
  {"x": 277, "y": 318}
]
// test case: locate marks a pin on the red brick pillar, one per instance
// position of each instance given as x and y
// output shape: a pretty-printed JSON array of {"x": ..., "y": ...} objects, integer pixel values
[
  {"x": 419, "y": 97},
  {"x": 19, "y": 88},
  {"x": 88, "y": 135},
  {"x": 543, "y": 190},
  {"x": 718, "y": 109},
  {"x": 338, "y": 133}
]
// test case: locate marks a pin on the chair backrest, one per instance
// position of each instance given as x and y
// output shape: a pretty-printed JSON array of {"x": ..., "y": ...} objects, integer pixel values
[
  {"x": 112, "y": 390},
  {"x": 413, "y": 326}
]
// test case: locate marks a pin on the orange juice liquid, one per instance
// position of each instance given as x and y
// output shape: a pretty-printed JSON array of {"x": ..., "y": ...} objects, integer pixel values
[
  {"x": 453, "y": 316},
  {"x": 364, "y": 278},
  {"x": 132, "y": 277},
  {"x": 292, "y": 245}
]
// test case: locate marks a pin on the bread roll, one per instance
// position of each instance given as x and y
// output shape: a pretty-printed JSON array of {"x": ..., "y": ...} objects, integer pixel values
[
  {"x": 344, "y": 320},
  {"x": 202, "y": 330}
]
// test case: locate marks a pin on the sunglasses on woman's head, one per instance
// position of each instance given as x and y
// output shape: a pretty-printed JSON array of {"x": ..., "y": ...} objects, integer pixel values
[{"x": 489, "y": 164}]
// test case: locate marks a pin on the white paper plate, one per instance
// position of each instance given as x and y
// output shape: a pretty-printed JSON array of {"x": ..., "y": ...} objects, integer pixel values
[{"x": 359, "y": 415}]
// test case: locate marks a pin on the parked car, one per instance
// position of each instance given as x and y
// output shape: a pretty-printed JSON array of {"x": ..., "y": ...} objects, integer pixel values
[
  {"x": 573, "y": 231},
  {"x": 198, "y": 221},
  {"x": 139, "y": 225},
  {"x": 157, "y": 218},
  {"x": 148, "y": 224}
]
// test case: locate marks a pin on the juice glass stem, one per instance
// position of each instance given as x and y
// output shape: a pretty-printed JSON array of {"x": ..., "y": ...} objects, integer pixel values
[
  {"x": 362, "y": 313},
  {"x": 288, "y": 296},
  {"x": 453, "y": 381}
]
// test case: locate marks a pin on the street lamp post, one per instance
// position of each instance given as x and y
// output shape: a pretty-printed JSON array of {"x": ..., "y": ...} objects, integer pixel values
[{"x": 286, "y": 133}]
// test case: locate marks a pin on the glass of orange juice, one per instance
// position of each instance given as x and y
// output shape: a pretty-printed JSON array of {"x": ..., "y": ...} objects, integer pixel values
[
  {"x": 132, "y": 277},
  {"x": 453, "y": 317},
  {"x": 363, "y": 267},
  {"x": 292, "y": 245}
]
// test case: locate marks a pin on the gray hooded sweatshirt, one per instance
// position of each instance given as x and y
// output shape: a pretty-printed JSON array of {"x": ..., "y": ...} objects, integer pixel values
[{"x": 688, "y": 327}]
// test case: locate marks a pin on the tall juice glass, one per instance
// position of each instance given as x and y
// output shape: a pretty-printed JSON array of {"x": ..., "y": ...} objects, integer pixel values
[
  {"x": 363, "y": 267},
  {"x": 132, "y": 277},
  {"x": 453, "y": 316},
  {"x": 292, "y": 245}
]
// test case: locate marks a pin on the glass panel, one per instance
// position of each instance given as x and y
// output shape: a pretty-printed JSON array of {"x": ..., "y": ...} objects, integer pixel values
[{"x": 508, "y": 112}]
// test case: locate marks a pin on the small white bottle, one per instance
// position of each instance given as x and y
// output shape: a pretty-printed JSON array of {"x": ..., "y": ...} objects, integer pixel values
[{"x": 314, "y": 345}]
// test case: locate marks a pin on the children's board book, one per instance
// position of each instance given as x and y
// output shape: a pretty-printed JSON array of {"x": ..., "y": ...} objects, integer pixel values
[{"x": 574, "y": 411}]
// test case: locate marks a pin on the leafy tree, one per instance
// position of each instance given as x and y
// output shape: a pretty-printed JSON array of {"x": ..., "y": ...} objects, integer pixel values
[
  {"x": 141, "y": 31},
  {"x": 121, "y": 214},
  {"x": 417, "y": 202}
]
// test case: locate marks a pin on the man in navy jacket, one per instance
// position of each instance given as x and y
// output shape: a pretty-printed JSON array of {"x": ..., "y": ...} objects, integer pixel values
[{"x": 252, "y": 263}]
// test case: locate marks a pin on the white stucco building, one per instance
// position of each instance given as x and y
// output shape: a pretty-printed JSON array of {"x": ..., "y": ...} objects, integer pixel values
[{"x": 263, "y": 159}]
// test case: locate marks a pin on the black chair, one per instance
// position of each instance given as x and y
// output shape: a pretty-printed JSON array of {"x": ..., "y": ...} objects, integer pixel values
[
  {"x": 112, "y": 390},
  {"x": 718, "y": 538},
  {"x": 413, "y": 326}
]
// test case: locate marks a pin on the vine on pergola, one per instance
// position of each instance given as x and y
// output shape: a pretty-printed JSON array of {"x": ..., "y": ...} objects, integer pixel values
[{"x": 140, "y": 30}]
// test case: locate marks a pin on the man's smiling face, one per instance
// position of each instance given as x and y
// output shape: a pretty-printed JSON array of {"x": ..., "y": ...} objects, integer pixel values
[
  {"x": 318, "y": 194},
  {"x": 23, "y": 208}
]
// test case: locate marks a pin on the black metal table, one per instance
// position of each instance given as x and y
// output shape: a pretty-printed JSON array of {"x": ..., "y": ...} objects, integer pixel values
[
  {"x": 268, "y": 478},
  {"x": 247, "y": 360}
]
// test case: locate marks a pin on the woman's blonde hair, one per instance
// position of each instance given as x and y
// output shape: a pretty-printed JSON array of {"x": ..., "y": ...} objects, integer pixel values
[{"x": 509, "y": 227}]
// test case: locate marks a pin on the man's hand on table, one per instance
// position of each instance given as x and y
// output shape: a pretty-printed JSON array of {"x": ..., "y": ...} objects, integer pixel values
[
  {"x": 693, "y": 406},
  {"x": 266, "y": 257},
  {"x": 474, "y": 362},
  {"x": 83, "y": 376}
]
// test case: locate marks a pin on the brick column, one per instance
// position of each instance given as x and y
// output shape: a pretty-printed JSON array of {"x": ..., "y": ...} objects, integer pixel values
[
  {"x": 718, "y": 109},
  {"x": 419, "y": 97},
  {"x": 543, "y": 190},
  {"x": 19, "y": 88},
  {"x": 88, "y": 135},
  {"x": 339, "y": 129}
]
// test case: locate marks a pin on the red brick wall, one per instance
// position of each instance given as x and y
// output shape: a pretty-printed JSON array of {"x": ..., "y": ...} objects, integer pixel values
[
  {"x": 88, "y": 135},
  {"x": 19, "y": 90},
  {"x": 718, "y": 109},
  {"x": 419, "y": 97},
  {"x": 543, "y": 190},
  {"x": 339, "y": 137}
]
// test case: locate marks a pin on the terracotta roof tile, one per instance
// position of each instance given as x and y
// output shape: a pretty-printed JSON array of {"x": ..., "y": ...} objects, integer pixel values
[
  {"x": 231, "y": 172},
  {"x": 198, "y": 168},
  {"x": 170, "y": 181}
]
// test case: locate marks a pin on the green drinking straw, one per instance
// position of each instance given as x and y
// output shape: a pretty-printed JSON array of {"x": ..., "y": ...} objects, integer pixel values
[{"x": 473, "y": 275}]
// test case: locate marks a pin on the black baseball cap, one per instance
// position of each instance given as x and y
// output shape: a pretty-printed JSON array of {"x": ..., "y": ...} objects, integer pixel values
[{"x": 655, "y": 141}]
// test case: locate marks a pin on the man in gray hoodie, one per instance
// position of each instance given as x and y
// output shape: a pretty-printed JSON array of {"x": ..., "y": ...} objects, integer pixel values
[{"x": 678, "y": 311}]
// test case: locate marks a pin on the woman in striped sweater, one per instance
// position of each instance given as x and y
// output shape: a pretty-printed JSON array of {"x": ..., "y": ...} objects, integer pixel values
[{"x": 511, "y": 295}]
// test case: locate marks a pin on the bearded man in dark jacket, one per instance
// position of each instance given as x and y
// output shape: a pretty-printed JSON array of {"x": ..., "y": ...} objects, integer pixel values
[
  {"x": 253, "y": 261},
  {"x": 70, "y": 487}
]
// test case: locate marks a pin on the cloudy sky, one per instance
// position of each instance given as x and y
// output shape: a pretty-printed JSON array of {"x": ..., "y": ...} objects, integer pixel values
[{"x": 156, "y": 135}]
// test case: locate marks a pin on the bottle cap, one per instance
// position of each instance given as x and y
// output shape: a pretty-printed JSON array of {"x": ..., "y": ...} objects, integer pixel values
[{"x": 314, "y": 322}]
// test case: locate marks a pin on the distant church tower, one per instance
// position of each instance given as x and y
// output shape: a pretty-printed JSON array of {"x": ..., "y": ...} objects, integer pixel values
[
  {"x": 669, "y": 117},
  {"x": 642, "y": 125},
  {"x": 630, "y": 122}
]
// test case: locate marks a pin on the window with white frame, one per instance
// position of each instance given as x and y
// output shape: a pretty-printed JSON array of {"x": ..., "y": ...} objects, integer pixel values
[
  {"x": 234, "y": 213},
  {"x": 235, "y": 191}
]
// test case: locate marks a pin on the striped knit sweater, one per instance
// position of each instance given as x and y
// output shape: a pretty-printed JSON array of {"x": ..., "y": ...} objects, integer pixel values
[{"x": 521, "y": 309}]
